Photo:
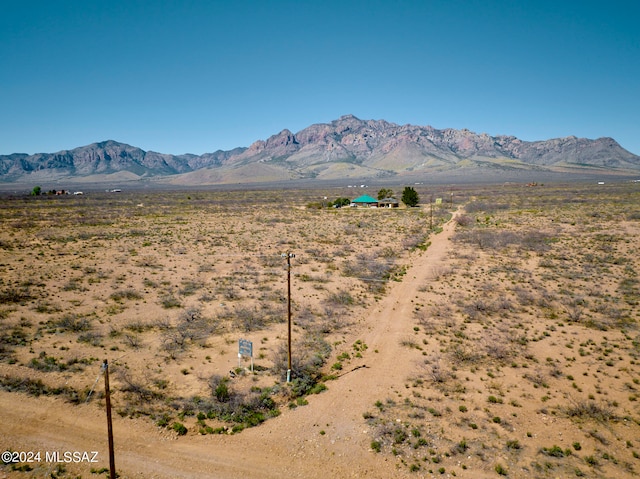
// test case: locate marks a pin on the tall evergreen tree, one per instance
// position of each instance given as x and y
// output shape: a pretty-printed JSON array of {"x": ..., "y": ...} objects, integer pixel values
[{"x": 410, "y": 196}]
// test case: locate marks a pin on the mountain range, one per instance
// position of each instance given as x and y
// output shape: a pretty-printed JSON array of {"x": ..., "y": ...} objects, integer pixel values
[{"x": 344, "y": 148}]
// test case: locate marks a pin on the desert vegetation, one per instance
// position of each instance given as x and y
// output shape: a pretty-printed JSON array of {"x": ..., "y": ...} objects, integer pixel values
[
  {"x": 524, "y": 343},
  {"x": 165, "y": 283},
  {"x": 527, "y": 343}
]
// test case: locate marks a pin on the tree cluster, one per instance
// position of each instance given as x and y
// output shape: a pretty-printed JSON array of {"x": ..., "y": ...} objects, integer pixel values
[
  {"x": 339, "y": 202},
  {"x": 385, "y": 193}
]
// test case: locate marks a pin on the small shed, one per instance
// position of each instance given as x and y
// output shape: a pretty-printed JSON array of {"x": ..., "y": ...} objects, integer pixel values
[
  {"x": 365, "y": 200},
  {"x": 388, "y": 203}
]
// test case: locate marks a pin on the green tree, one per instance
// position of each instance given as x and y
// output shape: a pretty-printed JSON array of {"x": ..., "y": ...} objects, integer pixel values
[
  {"x": 36, "y": 191},
  {"x": 340, "y": 202},
  {"x": 410, "y": 196},
  {"x": 385, "y": 193}
]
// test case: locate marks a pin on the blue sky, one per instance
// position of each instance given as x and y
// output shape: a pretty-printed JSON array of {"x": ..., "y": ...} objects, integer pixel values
[{"x": 195, "y": 76}]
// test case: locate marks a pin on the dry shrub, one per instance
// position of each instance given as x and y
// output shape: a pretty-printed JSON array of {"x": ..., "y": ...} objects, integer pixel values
[
  {"x": 477, "y": 308},
  {"x": 333, "y": 319},
  {"x": 16, "y": 295},
  {"x": 440, "y": 271},
  {"x": 373, "y": 269},
  {"x": 123, "y": 294},
  {"x": 487, "y": 238},
  {"x": 133, "y": 340},
  {"x": 136, "y": 390},
  {"x": 497, "y": 348},
  {"x": 463, "y": 220},
  {"x": 441, "y": 310},
  {"x": 191, "y": 327},
  {"x": 435, "y": 372},
  {"x": 461, "y": 354},
  {"x": 590, "y": 410},
  {"x": 73, "y": 323},
  {"x": 477, "y": 206},
  {"x": 340, "y": 298}
]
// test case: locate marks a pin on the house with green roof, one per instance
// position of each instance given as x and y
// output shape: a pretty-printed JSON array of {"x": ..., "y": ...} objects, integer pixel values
[{"x": 365, "y": 200}]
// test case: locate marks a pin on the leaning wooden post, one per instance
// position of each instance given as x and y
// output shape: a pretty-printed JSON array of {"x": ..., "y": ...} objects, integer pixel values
[{"x": 112, "y": 461}]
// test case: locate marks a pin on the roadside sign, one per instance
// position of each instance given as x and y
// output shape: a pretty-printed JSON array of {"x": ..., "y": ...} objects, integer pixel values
[{"x": 245, "y": 347}]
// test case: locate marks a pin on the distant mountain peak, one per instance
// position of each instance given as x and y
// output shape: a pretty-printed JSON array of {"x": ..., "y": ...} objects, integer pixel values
[
  {"x": 345, "y": 147},
  {"x": 348, "y": 117}
]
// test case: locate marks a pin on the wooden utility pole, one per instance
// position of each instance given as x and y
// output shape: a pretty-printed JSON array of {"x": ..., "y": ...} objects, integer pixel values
[
  {"x": 431, "y": 220},
  {"x": 289, "y": 256},
  {"x": 112, "y": 461}
]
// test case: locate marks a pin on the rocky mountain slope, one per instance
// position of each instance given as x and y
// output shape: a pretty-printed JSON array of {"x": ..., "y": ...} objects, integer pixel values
[{"x": 346, "y": 147}]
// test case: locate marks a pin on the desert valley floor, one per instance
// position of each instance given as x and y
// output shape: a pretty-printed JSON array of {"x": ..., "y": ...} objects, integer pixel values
[{"x": 494, "y": 333}]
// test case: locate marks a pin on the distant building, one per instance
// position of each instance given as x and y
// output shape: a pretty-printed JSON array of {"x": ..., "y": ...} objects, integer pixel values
[
  {"x": 366, "y": 201},
  {"x": 388, "y": 203}
]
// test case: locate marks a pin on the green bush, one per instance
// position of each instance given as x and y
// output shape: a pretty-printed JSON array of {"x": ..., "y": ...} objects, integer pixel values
[
  {"x": 318, "y": 388},
  {"x": 501, "y": 470},
  {"x": 554, "y": 451},
  {"x": 179, "y": 428},
  {"x": 163, "y": 421},
  {"x": 399, "y": 435},
  {"x": 222, "y": 392},
  {"x": 513, "y": 444}
]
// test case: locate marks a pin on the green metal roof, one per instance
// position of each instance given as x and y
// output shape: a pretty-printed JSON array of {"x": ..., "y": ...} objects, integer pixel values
[{"x": 364, "y": 199}]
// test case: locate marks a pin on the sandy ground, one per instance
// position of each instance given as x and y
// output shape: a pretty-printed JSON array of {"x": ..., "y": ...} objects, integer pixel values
[
  {"x": 290, "y": 445},
  {"x": 509, "y": 346}
]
